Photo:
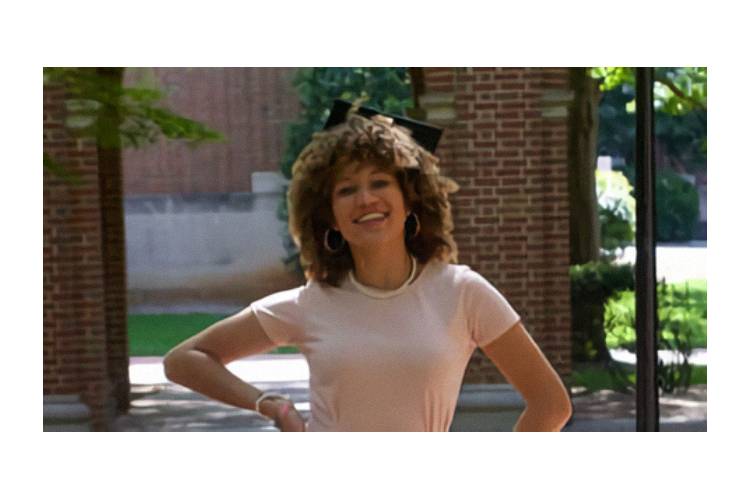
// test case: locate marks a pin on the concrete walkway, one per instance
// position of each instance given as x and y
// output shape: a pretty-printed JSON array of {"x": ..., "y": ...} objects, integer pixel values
[
  {"x": 158, "y": 405},
  {"x": 609, "y": 411},
  {"x": 172, "y": 408},
  {"x": 676, "y": 262}
]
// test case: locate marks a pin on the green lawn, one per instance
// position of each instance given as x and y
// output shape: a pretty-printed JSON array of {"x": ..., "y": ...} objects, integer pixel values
[
  {"x": 154, "y": 335},
  {"x": 595, "y": 378}
]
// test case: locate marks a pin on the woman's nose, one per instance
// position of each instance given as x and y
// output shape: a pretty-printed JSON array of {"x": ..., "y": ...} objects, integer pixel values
[{"x": 365, "y": 196}]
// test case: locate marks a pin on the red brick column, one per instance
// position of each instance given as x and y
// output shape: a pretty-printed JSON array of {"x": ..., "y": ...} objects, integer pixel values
[
  {"x": 506, "y": 145},
  {"x": 75, "y": 343}
]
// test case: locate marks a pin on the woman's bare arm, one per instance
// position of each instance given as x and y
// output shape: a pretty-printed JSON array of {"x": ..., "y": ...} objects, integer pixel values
[
  {"x": 199, "y": 362},
  {"x": 523, "y": 364}
]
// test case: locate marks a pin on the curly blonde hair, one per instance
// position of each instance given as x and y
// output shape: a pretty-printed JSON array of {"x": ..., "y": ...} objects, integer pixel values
[{"x": 390, "y": 148}]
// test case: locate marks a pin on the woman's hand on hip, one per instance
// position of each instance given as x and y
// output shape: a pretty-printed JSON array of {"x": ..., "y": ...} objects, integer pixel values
[{"x": 284, "y": 415}]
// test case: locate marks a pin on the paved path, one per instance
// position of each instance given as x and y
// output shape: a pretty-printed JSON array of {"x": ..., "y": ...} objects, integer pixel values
[
  {"x": 172, "y": 408},
  {"x": 676, "y": 262},
  {"x": 158, "y": 405},
  {"x": 258, "y": 368},
  {"x": 609, "y": 411},
  {"x": 697, "y": 356}
]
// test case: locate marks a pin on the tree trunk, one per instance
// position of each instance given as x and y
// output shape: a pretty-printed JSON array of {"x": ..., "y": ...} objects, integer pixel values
[
  {"x": 113, "y": 242},
  {"x": 585, "y": 238}
]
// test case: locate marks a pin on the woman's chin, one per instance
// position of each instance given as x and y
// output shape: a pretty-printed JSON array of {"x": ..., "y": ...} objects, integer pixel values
[{"x": 372, "y": 239}]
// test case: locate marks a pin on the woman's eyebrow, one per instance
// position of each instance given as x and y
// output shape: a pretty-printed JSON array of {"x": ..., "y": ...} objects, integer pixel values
[{"x": 347, "y": 177}]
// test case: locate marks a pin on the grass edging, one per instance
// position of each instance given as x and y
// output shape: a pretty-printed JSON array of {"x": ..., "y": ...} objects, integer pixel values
[{"x": 156, "y": 334}]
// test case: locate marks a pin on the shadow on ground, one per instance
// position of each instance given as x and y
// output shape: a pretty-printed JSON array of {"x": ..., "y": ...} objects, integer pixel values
[{"x": 172, "y": 408}]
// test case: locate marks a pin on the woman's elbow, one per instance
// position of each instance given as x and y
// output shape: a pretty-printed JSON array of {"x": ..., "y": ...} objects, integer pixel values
[
  {"x": 566, "y": 412},
  {"x": 562, "y": 409},
  {"x": 556, "y": 411},
  {"x": 172, "y": 364},
  {"x": 558, "y": 416}
]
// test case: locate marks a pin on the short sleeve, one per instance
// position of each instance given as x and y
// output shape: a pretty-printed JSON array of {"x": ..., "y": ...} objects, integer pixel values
[
  {"x": 281, "y": 316},
  {"x": 488, "y": 313}
]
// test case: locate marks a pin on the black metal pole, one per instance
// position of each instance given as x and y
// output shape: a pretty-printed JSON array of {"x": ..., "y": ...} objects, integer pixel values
[{"x": 647, "y": 391}]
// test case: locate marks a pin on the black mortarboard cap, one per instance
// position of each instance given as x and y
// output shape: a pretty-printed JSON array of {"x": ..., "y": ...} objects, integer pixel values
[{"x": 424, "y": 134}]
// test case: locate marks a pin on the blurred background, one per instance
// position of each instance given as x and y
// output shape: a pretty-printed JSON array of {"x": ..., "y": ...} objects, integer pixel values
[{"x": 164, "y": 212}]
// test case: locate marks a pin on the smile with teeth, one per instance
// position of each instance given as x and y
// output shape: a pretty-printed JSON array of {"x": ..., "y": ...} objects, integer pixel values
[{"x": 372, "y": 217}]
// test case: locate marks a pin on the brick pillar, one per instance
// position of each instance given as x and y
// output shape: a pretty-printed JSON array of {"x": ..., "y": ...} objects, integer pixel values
[
  {"x": 505, "y": 143},
  {"x": 75, "y": 336}
]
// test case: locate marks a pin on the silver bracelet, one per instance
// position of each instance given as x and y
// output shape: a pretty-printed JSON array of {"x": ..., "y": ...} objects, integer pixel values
[{"x": 267, "y": 396}]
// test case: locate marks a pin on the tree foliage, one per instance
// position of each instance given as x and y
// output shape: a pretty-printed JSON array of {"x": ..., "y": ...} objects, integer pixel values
[
  {"x": 677, "y": 207},
  {"x": 680, "y": 96},
  {"x": 616, "y": 210},
  {"x": 142, "y": 119},
  {"x": 677, "y": 90},
  {"x": 680, "y": 99},
  {"x": 680, "y": 128}
]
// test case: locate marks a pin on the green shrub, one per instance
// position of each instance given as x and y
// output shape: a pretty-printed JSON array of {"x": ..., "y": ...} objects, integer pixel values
[
  {"x": 680, "y": 306},
  {"x": 677, "y": 207},
  {"x": 597, "y": 281},
  {"x": 592, "y": 284},
  {"x": 616, "y": 210},
  {"x": 682, "y": 326}
]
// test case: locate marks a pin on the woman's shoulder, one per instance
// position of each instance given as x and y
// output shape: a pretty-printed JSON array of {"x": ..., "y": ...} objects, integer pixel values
[
  {"x": 296, "y": 301},
  {"x": 453, "y": 272},
  {"x": 280, "y": 297},
  {"x": 307, "y": 291}
]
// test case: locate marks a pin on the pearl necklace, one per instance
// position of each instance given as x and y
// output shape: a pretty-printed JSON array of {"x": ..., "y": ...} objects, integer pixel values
[{"x": 380, "y": 293}]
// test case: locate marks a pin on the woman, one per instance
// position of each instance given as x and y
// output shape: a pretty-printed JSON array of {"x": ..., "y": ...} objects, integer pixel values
[{"x": 387, "y": 321}]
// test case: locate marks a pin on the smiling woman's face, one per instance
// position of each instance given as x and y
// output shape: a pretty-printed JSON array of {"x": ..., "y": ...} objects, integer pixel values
[{"x": 368, "y": 206}]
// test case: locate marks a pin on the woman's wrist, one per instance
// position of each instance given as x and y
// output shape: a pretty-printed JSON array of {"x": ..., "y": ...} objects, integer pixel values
[
  {"x": 269, "y": 404},
  {"x": 267, "y": 408}
]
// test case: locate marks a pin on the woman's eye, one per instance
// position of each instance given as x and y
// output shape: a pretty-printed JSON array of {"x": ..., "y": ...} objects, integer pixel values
[{"x": 374, "y": 184}]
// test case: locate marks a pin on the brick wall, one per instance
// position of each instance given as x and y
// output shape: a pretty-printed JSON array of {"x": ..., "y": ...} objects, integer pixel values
[
  {"x": 505, "y": 143},
  {"x": 75, "y": 318},
  {"x": 250, "y": 106}
]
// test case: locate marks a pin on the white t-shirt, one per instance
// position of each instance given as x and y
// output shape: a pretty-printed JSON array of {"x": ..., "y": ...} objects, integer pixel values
[{"x": 388, "y": 364}]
